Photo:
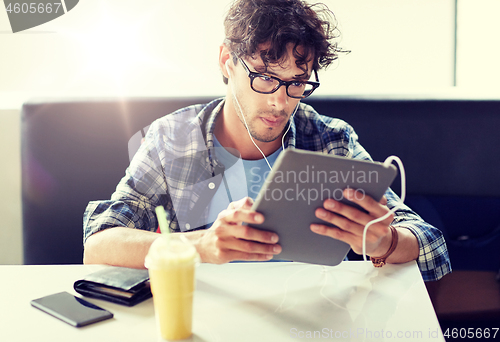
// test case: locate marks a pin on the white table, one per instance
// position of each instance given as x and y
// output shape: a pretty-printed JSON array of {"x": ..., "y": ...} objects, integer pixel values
[{"x": 241, "y": 302}]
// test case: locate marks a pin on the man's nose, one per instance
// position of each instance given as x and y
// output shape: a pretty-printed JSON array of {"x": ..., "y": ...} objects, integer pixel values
[{"x": 279, "y": 99}]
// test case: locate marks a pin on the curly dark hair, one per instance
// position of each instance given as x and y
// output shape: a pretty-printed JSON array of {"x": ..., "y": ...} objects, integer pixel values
[{"x": 250, "y": 23}]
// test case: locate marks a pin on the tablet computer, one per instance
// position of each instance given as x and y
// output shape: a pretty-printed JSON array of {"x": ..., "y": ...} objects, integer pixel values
[{"x": 298, "y": 184}]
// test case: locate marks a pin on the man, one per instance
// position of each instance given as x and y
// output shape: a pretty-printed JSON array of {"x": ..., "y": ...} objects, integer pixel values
[{"x": 269, "y": 59}]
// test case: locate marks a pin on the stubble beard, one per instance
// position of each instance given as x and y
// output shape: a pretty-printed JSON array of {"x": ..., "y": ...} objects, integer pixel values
[{"x": 268, "y": 135}]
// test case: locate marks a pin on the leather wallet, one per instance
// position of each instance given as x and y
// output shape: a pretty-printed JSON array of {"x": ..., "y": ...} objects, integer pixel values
[{"x": 121, "y": 285}]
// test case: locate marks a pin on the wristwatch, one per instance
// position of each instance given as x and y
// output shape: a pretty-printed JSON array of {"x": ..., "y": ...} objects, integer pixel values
[{"x": 380, "y": 261}]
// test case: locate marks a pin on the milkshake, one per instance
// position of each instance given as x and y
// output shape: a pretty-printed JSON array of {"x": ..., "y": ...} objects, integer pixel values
[{"x": 171, "y": 262}]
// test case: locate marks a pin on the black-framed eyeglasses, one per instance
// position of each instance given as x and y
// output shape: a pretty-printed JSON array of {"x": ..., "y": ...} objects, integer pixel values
[{"x": 266, "y": 84}]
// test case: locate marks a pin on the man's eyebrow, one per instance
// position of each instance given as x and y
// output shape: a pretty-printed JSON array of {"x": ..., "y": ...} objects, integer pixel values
[
  {"x": 262, "y": 70},
  {"x": 302, "y": 77}
]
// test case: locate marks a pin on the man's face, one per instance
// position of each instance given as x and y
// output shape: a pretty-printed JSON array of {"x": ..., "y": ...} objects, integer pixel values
[{"x": 266, "y": 114}]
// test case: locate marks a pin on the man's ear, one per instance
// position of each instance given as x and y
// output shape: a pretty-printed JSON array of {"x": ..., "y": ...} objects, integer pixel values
[{"x": 224, "y": 57}]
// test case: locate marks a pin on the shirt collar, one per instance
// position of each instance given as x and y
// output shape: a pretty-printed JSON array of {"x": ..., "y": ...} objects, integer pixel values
[
  {"x": 210, "y": 123},
  {"x": 208, "y": 117}
]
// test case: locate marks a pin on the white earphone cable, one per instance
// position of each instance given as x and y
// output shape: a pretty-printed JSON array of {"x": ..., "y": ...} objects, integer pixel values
[
  {"x": 248, "y": 130},
  {"x": 387, "y": 163}
]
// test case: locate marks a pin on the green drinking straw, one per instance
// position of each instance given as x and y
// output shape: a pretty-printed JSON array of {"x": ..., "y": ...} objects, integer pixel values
[{"x": 162, "y": 220}]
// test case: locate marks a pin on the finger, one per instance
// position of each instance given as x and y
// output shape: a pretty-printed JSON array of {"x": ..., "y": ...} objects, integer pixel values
[
  {"x": 237, "y": 216},
  {"x": 247, "y": 246},
  {"x": 244, "y": 203},
  {"x": 250, "y": 234},
  {"x": 351, "y": 220},
  {"x": 375, "y": 209},
  {"x": 355, "y": 241},
  {"x": 248, "y": 202},
  {"x": 383, "y": 200},
  {"x": 342, "y": 215},
  {"x": 366, "y": 202},
  {"x": 333, "y": 232},
  {"x": 230, "y": 255}
]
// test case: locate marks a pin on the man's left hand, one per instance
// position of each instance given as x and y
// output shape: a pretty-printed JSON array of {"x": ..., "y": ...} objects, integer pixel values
[{"x": 351, "y": 223}]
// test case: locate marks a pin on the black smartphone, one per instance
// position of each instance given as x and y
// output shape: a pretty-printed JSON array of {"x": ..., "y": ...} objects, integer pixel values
[{"x": 70, "y": 309}]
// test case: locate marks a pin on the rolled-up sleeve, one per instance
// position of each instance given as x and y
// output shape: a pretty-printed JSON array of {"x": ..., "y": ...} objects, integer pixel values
[
  {"x": 433, "y": 259},
  {"x": 137, "y": 194},
  {"x": 101, "y": 215}
]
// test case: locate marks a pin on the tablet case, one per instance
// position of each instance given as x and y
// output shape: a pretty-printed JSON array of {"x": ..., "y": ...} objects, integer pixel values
[
  {"x": 298, "y": 184},
  {"x": 121, "y": 285}
]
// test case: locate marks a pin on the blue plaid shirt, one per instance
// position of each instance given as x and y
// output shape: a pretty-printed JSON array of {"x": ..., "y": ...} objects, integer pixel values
[{"x": 175, "y": 167}]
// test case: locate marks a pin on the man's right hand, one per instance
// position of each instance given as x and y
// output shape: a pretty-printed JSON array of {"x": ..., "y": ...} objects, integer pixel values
[{"x": 228, "y": 239}]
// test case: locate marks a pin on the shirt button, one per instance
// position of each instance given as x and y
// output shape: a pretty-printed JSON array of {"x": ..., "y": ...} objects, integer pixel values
[
  {"x": 188, "y": 226},
  {"x": 211, "y": 185}
]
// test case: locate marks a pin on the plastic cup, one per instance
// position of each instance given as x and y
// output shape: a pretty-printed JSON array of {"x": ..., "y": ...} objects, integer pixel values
[{"x": 171, "y": 262}]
